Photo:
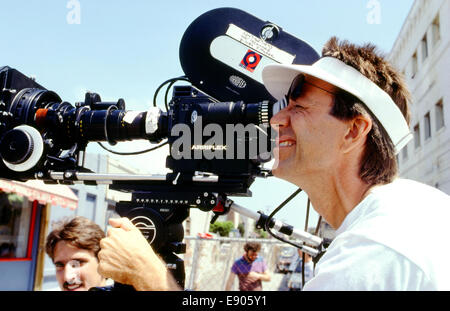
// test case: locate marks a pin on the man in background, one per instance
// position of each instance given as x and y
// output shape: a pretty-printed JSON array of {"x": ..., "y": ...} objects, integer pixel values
[
  {"x": 73, "y": 246},
  {"x": 250, "y": 269}
]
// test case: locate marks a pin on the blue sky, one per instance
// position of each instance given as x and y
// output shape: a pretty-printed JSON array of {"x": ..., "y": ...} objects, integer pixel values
[{"x": 126, "y": 49}]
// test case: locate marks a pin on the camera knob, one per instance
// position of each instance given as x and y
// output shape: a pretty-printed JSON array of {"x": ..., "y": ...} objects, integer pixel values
[
  {"x": 16, "y": 146},
  {"x": 269, "y": 32},
  {"x": 21, "y": 148}
]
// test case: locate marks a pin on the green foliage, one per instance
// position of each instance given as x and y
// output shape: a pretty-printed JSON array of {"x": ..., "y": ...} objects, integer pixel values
[
  {"x": 222, "y": 228},
  {"x": 241, "y": 228},
  {"x": 261, "y": 233},
  {"x": 15, "y": 199}
]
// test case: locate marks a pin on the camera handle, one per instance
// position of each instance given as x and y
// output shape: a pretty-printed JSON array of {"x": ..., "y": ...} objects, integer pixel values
[{"x": 314, "y": 243}]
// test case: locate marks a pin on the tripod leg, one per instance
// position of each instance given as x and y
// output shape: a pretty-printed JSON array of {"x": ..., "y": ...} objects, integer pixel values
[{"x": 176, "y": 266}]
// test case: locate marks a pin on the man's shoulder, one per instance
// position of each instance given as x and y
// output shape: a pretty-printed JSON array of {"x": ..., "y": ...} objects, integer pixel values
[
  {"x": 358, "y": 262},
  {"x": 259, "y": 259},
  {"x": 384, "y": 235},
  {"x": 239, "y": 262},
  {"x": 366, "y": 265},
  {"x": 400, "y": 207},
  {"x": 410, "y": 192}
]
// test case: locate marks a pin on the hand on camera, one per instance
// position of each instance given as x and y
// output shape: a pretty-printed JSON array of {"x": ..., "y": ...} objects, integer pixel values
[{"x": 127, "y": 258}]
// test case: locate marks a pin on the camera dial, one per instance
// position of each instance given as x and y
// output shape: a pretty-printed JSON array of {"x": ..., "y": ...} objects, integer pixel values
[{"x": 21, "y": 148}]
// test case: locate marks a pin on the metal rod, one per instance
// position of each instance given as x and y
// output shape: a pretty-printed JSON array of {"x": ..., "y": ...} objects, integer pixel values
[
  {"x": 302, "y": 235},
  {"x": 105, "y": 178}
]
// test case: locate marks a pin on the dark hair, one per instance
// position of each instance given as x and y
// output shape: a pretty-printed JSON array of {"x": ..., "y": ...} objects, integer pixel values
[
  {"x": 252, "y": 246},
  {"x": 79, "y": 232},
  {"x": 378, "y": 163}
]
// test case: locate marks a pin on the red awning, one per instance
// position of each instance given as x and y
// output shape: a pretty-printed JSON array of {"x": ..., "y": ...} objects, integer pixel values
[{"x": 37, "y": 190}]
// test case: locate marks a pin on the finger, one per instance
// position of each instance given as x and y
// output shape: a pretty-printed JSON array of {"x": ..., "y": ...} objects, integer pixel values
[
  {"x": 123, "y": 223},
  {"x": 118, "y": 235},
  {"x": 114, "y": 231},
  {"x": 115, "y": 222},
  {"x": 104, "y": 243},
  {"x": 103, "y": 270}
]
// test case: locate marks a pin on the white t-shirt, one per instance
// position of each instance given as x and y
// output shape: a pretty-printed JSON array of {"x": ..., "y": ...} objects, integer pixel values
[{"x": 397, "y": 238}]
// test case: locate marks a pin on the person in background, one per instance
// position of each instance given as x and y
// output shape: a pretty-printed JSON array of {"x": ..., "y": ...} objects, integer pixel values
[
  {"x": 73, "y": 246},
  {"x": 297, "y": 267},
  {"x": 250, "y": 269}
]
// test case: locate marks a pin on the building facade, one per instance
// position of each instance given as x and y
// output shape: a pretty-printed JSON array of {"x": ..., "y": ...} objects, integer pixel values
[
  {"x": 422, "y": 53},
  {"x": 24, "y": 211}
]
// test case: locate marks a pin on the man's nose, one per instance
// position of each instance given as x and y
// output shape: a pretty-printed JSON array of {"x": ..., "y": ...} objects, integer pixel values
[
  {"x": 71, "y": 272},
  {"x": 280, "y": 119}
]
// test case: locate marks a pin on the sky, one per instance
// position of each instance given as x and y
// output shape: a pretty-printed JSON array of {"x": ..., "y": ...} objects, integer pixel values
[{"x": 126, "y": 49}]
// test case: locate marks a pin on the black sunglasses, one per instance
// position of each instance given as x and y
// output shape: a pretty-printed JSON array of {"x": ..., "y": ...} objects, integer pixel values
[
  {"x": 295, "y": 90},
  {"x": 296, "y": 87}
]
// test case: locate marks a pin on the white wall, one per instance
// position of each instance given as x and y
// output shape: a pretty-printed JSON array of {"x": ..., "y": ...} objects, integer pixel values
[{"x": 430, "y": 162}]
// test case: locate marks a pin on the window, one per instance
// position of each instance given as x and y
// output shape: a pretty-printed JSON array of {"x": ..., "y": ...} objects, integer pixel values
[
  {"x": 436, "y": 30},
  {"x": 88, "y": 210},
  {"x": 405, "y": 152},
  {"x": 414, "y": 66},
  {"x": 424, "y": 48},
  {"x": 427, "y": 126},
  {"x": 75, "y": 191},
  {"x": 439, "y": 111},
  {"x": 15, "y": 217},
  {"x": 416, "y": 136}
]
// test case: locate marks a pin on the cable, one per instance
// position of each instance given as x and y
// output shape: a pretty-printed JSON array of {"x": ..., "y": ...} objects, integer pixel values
[
  {"x": 319, "y": 222},
  {"x": 167, "y": 93},
  {"x": 306, "y": 230},
  {"x": 307, "y": 214},
  {"x": 172, "y": 81},
  {"x": 266, "y": 225},
  {"x": 132, "y": 153}
]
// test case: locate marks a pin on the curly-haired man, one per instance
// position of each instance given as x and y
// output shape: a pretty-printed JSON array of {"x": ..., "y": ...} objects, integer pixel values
[{"x": 251, "y": 269}]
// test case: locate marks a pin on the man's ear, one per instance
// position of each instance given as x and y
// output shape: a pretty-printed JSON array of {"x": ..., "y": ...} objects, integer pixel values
[{"x": 358, "y": 129}]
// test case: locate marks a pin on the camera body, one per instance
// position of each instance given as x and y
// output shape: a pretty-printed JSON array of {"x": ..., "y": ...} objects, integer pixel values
[{"x": 223, "y": 138}]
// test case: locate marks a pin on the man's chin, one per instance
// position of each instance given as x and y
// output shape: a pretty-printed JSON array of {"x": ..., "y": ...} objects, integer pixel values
[
  {"x": 285, "y": 173},
  {"x": 279, "y": 170},
  {"x": 79, "y": 288}
]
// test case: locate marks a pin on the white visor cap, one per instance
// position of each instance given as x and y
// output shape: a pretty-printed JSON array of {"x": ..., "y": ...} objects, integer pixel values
[{"x": 277, "y": 79}]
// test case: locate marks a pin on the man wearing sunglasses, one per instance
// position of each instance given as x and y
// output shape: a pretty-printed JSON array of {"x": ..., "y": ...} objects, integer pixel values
[{"x": 341, "y": 123}]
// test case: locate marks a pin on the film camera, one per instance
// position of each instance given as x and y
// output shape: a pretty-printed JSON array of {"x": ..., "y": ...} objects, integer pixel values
[{"x": 217, "y": 127}]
